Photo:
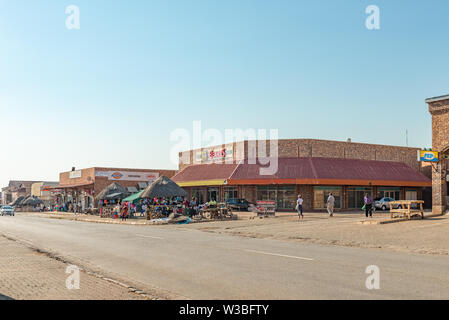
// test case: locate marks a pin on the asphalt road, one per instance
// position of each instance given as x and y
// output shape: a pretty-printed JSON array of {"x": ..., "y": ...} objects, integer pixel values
[{"x": 200, "y": 265}]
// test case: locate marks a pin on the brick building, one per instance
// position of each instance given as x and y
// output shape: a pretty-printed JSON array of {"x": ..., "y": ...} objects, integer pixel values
[
  {"x": 439, "y": 109},
  {"x": 311, "y": 167},
  {"x": 16, "y": 189},
  {"x": 42, "y": 190},
  {"x": 82, "y": 185}
]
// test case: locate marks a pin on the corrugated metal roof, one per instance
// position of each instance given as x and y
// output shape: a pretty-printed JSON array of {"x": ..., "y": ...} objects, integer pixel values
[
  {"x": 211, "y": 171},
  {"x": 333, "y": 168},
  {"x": 312, "y": 170}
]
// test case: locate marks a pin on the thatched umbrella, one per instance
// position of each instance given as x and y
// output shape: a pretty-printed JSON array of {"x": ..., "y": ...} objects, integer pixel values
[
  {"x": 163, "y": 187},
  {"x": 17, "y": 201},
  {"x": 31, "y": 201},
  {"x": 115, "y": 190}
]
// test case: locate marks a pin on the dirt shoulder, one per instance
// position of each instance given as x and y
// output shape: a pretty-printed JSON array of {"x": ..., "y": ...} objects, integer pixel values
[{"x": 429, "y": 236}]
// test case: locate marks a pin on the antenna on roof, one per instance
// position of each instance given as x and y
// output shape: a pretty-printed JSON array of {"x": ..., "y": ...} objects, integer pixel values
[{"x": 406, "y": 137}]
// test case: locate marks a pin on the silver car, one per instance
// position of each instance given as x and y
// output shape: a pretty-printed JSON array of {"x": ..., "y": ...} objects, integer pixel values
[
  {"x": 7, "y": 210},
  {"x": 384, "y": 204}
]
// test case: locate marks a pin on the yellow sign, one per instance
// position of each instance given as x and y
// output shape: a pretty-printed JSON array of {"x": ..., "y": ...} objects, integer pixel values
[{"x": 428, "y": 156}]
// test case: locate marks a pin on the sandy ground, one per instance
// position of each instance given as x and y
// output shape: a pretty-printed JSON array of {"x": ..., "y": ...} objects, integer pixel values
[{"x": 429, "y": 236}]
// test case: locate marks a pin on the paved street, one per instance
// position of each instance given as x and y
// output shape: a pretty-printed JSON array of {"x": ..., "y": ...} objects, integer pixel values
[{"x": 180, "y": 262}]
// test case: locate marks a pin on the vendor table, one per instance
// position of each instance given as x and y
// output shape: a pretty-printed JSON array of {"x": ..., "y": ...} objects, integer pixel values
[{"x": 405, "y": 208}]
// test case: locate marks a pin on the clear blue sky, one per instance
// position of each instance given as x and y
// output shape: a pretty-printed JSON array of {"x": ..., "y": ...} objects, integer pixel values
[{"x": 110, "y": 93}]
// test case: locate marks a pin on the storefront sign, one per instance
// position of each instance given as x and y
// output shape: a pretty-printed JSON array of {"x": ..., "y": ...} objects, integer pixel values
[
  {"x": 428, "y": 156},
  {"x": 128, "y": 176},
  {"x": 75, "y": 174},
  {"x": 217, "y": 154}
]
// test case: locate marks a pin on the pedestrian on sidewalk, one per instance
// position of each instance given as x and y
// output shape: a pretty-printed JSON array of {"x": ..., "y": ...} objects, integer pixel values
[
  {"x": 368, "y": 205},
  {"x": 125, "y": 212},
  {"x": 330, "y": 204},
  {"x": 299, "y": 203}
]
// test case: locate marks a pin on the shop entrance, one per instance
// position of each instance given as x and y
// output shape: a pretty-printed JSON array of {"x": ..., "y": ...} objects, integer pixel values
[
  {"x": 213, "y": 194},
  {"x": 197, "y": 193},
  {"x": 284, "y": 196}
]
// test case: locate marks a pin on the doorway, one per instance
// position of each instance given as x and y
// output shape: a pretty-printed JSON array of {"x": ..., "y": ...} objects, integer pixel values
[{"x": 213, "y": 194}]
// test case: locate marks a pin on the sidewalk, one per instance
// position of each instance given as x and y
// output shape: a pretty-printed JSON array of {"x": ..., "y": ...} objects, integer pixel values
[{"x": 29, "y": 275}]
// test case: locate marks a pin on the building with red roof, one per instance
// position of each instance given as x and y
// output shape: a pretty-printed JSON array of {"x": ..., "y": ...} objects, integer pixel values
[{"x": 357, "y": 169}]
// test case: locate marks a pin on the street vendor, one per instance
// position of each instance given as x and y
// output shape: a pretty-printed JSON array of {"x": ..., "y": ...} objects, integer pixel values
[{"x": 212, "y": 203}]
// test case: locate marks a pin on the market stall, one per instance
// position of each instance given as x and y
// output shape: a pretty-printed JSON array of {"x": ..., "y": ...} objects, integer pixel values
[{"x": 108, "y": 198}]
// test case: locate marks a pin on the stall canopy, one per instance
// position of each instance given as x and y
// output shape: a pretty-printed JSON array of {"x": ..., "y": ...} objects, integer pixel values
[
  {"x": 163, "y": 187},
  {"x": 31, "y": 201},
  {"x": 17, "y": 201},
  {"x": 112, "y": 192},
  {"x": 134, "y": 197}
]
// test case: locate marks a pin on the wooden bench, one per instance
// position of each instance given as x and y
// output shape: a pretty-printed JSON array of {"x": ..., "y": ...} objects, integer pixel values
[{"x": 406, "y": 209}]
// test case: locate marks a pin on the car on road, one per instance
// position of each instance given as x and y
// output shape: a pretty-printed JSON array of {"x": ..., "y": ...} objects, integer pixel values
[
  {"x": 238, "y": 204},
  {"x": 384, "y": 204},
  {"x": 7, "y": 210}
]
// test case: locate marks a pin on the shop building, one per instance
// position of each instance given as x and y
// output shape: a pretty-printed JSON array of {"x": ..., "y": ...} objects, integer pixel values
[
  {"x": 82, "y": 185},
  {"x": 439, "y": 109},
  {"x": 313, "y": 168},
  {"x": 42, "y": 190},
  {"x": 15, "y": 190}
]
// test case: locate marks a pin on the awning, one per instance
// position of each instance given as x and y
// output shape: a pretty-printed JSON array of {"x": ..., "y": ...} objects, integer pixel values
[
  {"x": 142, "y": 185},
  {"x": 114, "y": 195},
  {"x": 218, "y": 182},
  {"x": 70, "y": 186},
  {"x": 133, "y": 197}
]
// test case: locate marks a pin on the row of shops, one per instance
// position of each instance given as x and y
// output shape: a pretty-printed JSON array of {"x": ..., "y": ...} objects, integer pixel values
[{"x": 312, "y": 177}]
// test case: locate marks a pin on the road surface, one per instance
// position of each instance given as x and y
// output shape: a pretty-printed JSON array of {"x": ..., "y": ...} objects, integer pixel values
[{"x": 192, "y": 264}]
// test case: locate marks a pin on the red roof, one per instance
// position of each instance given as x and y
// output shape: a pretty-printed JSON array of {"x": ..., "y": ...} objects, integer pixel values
[
  {"x": 199, "y": 172},
  {"x": 311, "y": 171}
]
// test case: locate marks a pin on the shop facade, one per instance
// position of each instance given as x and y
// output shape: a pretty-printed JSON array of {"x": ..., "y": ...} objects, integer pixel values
[
  {"x": 358, "y": 171},
  {"x": 81, "y": 186}
]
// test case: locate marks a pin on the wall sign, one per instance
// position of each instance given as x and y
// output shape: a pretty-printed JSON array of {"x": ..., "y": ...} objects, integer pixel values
[
  {"x": 128, "y": 176},
  {"x": 216, "y": 154},
  {"x": 75, "y": 174},
  {"x": 428, "y": 156}
]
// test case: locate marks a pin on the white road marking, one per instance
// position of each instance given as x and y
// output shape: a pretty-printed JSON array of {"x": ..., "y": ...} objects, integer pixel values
[
  {"x": 152, "y": 237},
  {"x": 279, "y": 255}
]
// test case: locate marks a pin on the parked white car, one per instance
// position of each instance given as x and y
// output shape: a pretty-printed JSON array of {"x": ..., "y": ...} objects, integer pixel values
[
  {"x": 7, "y": 210},
  {"x": 384, "y": 204}
]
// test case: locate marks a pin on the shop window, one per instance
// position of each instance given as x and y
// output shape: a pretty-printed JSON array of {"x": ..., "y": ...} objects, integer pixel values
[
  {"x": 284, "y": 196},
  {"x": 394, "y": 193},
  {"x": 230, "y": 193},
  {"x": 356, "y": 196},
  {"x": 320, "y": 195}
]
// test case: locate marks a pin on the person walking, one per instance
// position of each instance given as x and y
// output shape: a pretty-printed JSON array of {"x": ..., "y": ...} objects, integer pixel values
[
  {"x": 330, "y": 204},
  {"x": 299, "y": 203},
  {"x": 368, "y": 205},
  {"x": 125, "y": 212}
]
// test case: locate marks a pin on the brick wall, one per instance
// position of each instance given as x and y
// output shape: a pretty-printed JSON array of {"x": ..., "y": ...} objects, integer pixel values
[
  {"x": 440, "y": 142},
  {"x": 319, "y": 148}
]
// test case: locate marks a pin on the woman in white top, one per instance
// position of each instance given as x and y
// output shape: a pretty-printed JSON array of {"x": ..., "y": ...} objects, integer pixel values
[{"x": 299, "y": 206}]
